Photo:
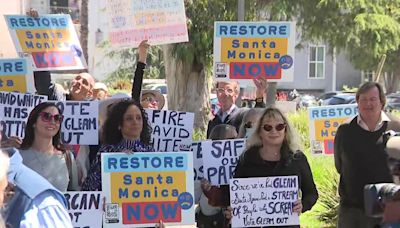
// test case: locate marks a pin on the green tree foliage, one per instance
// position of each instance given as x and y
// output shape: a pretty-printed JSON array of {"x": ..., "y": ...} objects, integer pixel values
[{"x": 365, "y": 29}]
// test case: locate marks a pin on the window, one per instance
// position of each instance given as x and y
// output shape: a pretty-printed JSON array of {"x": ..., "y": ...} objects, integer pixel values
[
  {"x": 367, "y": 76},
  {"x": 316, "y": 63}
]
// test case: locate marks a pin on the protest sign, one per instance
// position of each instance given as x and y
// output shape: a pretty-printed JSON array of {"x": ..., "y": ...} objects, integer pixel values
[
  {"x": 324, "y": 121},
  {"x": 222, "y": 157},
  {"x": 172, "y": 130},
  {"x": 80, "y": 125},
  {"x": 159, "y": 22},
  {"x": 264, "y": 201},
  {"x": 196, "y": 148},
  {"x": 14, "y": 75},
  {"x": 85, "y": 209},
  {"x": 14, "y": 111},
  {"x": 50, "y": 41},
  {"x": 249, "y": 50},
  {"x": 143, "y": 188}
]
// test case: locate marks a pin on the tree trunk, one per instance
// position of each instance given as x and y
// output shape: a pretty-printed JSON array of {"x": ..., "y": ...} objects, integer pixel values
[
  {"x": 392, "y": 81},
  {"x": 84, "y": 21},
  {"x": 187, "y": 88}
]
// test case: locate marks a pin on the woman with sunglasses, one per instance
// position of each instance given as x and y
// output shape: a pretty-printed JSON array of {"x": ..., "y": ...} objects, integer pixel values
[
  {"x": 126, "y": 129},
  {"x": 42, "y": 151},
  {"x": 272, "y": 151}
]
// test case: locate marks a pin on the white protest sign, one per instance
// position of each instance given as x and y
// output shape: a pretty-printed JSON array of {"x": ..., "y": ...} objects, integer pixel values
[
  {"x": 85, "y": 208},
  {"x": 222, "y": 157},
  {"x": 80, "y": 125},
  {"x": 196, "y": 148},
  {"x": 14, "y": 111},
  {"x": 159, "y": 22},
  {"x": 264, "y": 201},
  {"x": 172, "y": 130}
]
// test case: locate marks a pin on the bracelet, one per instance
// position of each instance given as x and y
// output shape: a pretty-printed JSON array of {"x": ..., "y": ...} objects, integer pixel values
[{"x": 259, "y": 100}]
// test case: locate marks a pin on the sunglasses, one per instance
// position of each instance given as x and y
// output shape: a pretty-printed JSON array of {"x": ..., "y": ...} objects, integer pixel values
[
  {"x": 278, "y": 127},
  {"x": 150, "y": 99},
  {"x": 47, "y": 117}
]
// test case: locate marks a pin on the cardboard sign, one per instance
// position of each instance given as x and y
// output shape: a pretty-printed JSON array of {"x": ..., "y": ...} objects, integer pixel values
[
  {"x": 80, "y": 125},
  {"x": 85, "y": 208},
  {"x": 324, "y": 121},
  {"x": 14, "y": 76},
  {"x": 159, "y": 22},
  {"x": 50, "y": 41},
  {"x": 172, "y": 130},
  {"x": 14, "y": 111},
  {"x": 220, "y": 158},
  {"x": 143, "y": 188},
  {"x": 249, "y": 50},
  {"x": 265, "y": 201}
]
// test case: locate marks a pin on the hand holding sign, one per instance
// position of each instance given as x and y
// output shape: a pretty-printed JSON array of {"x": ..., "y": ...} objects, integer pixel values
[{"x": 261, "y": 85}]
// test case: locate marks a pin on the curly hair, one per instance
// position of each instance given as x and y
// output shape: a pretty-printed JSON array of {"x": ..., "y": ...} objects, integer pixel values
[
  {"x": 111, "y": 128},
  {"x": 30, "y": 131},
  {"x": 290, "y": 141}
]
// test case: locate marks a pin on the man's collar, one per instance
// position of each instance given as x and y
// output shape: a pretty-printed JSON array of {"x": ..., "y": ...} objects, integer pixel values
[{"x": 383, "y": 118}]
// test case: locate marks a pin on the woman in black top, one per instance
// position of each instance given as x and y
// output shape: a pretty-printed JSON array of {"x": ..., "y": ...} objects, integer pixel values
[{"x": 272, "y": 151}]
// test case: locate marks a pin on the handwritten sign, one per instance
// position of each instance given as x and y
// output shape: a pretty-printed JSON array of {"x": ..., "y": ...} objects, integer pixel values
[
  {"x": 249, "y": 50},
  {"x": 196, "y": 148},
  {"x": 160, "y": 22},
  {"x": 80, "y": 125},
  {"x": 50, "y": 41},
  {"x": 265, "y": 201},
  {"x": 14, "y": 111},
  {"x": 172, "y": 130},
  {"x": 85, "y": 209},
  {"x": 220, "y": 158},
  {"x": 13, "y": 75},
  {"x": 324, "y": 121},
  {"x": 143, "y": 188}
]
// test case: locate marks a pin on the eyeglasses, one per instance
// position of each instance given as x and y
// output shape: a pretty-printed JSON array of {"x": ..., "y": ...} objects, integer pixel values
[
  {"x": 278, "y": 127},
  {"x": 248, "y": 125},
  {"x": 227, "y": 91},
  {"x": 149, "y": 99},
  {"x": 47, "y": 117}
]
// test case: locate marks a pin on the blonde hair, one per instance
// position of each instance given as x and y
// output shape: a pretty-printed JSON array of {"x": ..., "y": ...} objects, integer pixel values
[{"x": 290, "y": 140}]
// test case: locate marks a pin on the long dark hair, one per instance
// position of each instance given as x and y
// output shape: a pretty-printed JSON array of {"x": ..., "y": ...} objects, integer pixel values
[
  {"x": 30, "y": 131},
  {"x": 111, "y": 128}
]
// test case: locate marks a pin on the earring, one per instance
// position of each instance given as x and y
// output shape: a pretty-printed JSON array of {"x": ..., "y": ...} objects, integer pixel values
[{"x": 119, "y": 127}]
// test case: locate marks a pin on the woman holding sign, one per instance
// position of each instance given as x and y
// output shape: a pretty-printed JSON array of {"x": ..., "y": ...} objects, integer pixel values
[
  {"x": 42, "y": 151},
  {"x": 272, "y": 151},
  {"x": 126, "y": 129}
]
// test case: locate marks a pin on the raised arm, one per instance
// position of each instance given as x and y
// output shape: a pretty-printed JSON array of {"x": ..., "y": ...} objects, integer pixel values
[{"x": 141, "y": 64}]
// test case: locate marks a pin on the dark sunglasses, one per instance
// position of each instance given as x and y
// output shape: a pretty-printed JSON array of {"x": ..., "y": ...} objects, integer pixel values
[
  {"x": 248, "y": 125},
  {"x": 278, "y": 127},
  {"x": 47, "y": 117}
]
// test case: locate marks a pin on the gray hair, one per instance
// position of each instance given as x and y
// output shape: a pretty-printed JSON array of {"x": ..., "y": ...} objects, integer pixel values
[{"x": 290, "y": 141}]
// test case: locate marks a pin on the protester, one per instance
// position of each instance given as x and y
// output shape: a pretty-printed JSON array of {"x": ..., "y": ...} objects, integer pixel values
[
  {"x": 100, "y": 91},
  {"x": 272, "y": 151},
  {"x": 33, "y": 201},
  {"x": 126, "y": 129},
  {"x": 208, "y": 216},
  {"x": 42, "y": 151},
  {"x": 152, "y": 99},
  {"x": 229, "y": 113},
  {"x": 360, "y": 158},
  {"x": 249, "y": 120}
]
